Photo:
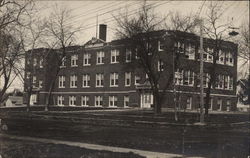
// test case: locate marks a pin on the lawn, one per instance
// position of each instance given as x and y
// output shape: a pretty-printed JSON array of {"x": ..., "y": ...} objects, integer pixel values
[
  {"x": 10, "y": 148},
  {"x": 140, "y": 130}
]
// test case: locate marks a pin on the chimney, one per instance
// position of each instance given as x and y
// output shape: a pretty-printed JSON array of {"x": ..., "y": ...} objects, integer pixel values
[{"x": 103, "y": 32}]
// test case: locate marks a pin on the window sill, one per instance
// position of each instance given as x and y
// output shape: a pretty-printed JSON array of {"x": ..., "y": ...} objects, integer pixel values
[
  {"x": 99, "y": 63},
  {"x": 99, "y": 86},
  {"x": 114, "y": 62},
  {"x": 113, "y": 85},
  {"x": 86, "y": 65},
  {"x": 61, "y": 87},
  {"x": 86, "y": 87},
  {"x": 73, "y": 87},
  {"x": 74, "y": 65}
]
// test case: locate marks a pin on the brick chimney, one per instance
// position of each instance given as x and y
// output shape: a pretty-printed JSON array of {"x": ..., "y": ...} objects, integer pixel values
[{"x": 103, "y": 32}]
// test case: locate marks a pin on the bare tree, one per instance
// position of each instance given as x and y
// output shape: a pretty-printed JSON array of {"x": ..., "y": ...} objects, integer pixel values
[
  {"x": 217, "y": 30},
  {"x": 140, "y": 29},
  {"x": 12, "y": 14},
  {"x": 60, "y": 34},
  {"x": 185, "y": 23},
  {"x": 244, "y": 51}
]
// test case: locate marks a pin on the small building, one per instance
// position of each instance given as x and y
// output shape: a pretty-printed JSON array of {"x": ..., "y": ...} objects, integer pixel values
[
  {"x": 242, "y": 94},
  {"x": 14, "y": 101}
]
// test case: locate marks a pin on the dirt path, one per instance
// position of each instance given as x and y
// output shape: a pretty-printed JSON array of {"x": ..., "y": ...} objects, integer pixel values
[{"x": 147, "y": 154}]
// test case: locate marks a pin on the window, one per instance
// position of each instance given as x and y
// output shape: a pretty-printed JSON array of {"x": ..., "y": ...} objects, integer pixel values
[
  {"x": 112, "y": 101},
  {"x": 126, "y": 101},
  {"x": 210, "y": 105},
  {"x": 114, "y": 56},
  {"x": 74, "y": 59},
  {"x": 189, "y": 103},
  {"x": 41, "y": 62},
  {"x": 100, "y": 58},
  {"x": 85, "y": 100},
  {"x": 34, "y": 62},
  {"x": 160, "y": 46},
  {"x": 73, "y": 81},
  {"x": 63, "y": 64},
  {"x": 99, "y": 80},
  {"x": 72, "y": 100},
  {"x": 179, "y": 77},
  {"x": 85, "y": 80},
  {"x": 206, "y": 79},
  {"x": 209, "y": 55},
  {"x": 114, "y": 80},
  {"x": 137, "y": 54},
  {"x": 60, "y": 100},
  {"x": 185, "y": 77},
  {"x": 28, "y": 75},
  {"x": 219, "y": 82},
  {"x": 229, "y": 59},
  {"x": 98, "y": 100},
  {"x": 230, "y": 83},
  {"x": 61, "y": 82},
  {"x": 160, "y": 65},
  {"x": 34, "y": 80},
  {"x": 40, "y": 84},
  {"x": 127, "y": 78},
  {"x": 180, "y": 47},
  {"x": 221, "y": 57},
  {"x": 128, "y": 55},
  {"x": 86, "y": 59},
  {"x": 191, "y": 51},
  {"x": 190, "y": 78},
  {"x": 228, "y": 105},
  {"x": 219, "y": 104},
  {"x": 137, "y": 79}
]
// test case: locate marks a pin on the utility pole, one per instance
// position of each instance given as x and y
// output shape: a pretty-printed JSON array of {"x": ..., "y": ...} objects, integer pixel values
[
  {"x": 201, "y": 74},
  {"x": 174, "y": 88}
]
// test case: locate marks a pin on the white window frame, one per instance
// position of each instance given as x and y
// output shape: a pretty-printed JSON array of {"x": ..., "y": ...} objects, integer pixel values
[
  {"x": 191, "y": 51},
  {"x": 60, "y": 100},
  {"x": 137, "y": 78},
  {"x": 219, "y": 102},
  {"x": 114, "y": 53},
  {"x": 74, "y": 59},
  {"x": 189, "y": 103},
  {"x": 100, "y": 55},
  {"x": 72, "y": 100},
  {"x": 98, "y": 101},
  {"x": 221, "y": 58},
  {"x": 99, "y": 79},
  {"x": 128, "y": 55},
  {"x": 73, "y": 81},
  {"x": 160, "y": 46},
  {"x": 63, "y": 64},
  {"x": 85, "y": 80},
  {"x": 61, "y": 82},
  {"x": 160, "y": 66},
  {"x": 127, "y": 79},
  {"x": 41, "y": 62},
  {"x": 209, "y": 55},
  {"x": 113, "y": 100},
  {"x": 126, "y": 100},
  {"x": 229, "y": 59},
  {"x": 40, "y": 84},
  {"x": 86, "y": 57},
  {"x": 85, "y": 100},
  {"x": 34, "y": 62},
  {"x": 114, "y": 77},
  {"x": 210, "y": 104},
  {"x": 34, "y": 80}
]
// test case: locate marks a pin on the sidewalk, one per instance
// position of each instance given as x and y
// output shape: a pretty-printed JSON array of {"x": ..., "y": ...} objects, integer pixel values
[{"x": 147, "y": 154}]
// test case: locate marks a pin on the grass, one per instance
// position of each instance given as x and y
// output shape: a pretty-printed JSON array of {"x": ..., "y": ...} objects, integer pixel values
[
  {"x": 27, "y": 149},
  {"x": 122, "y": 129}
]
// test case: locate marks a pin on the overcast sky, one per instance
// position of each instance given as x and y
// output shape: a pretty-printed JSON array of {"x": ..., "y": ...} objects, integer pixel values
[{"x": 84, "y": 13}]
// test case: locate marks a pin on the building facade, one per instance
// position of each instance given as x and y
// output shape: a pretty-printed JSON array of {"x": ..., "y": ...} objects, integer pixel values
[{"x": 100, "y": 74}]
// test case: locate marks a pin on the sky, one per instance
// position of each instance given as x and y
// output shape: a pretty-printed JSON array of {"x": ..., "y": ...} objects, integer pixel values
[{"x": 85, "y": 13}]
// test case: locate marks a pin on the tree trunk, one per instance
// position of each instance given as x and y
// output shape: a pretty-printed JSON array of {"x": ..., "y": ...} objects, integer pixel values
[{"x": 157, "y": 101}]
